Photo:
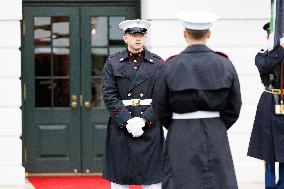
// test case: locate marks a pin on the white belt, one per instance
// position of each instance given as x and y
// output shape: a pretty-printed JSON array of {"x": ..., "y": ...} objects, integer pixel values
[
  {"x": 137, "y": 102},
  {"x": 196, "y": 115}
]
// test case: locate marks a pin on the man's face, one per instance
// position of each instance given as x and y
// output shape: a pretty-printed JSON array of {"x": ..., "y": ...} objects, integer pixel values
[{"x": 134, "y": 41}]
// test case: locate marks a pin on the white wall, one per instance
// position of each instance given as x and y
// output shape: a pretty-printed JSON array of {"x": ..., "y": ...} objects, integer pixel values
[
  {"x": 11, "y": 170},
  {"x": 239, "y": 34}
]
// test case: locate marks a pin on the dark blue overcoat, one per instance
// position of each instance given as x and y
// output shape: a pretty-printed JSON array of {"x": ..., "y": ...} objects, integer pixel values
[
  {"x": 130, "y": 160},
  {"x": 267, "y": 137},
  {"x": 197, "y": 151}
]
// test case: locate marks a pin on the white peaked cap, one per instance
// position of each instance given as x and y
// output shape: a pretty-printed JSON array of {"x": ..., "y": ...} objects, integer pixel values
[
  {"x": 134, "y": 24},
  {"x": 197, "y": 20}
]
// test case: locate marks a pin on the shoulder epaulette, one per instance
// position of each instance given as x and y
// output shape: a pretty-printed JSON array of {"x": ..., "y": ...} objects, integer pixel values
[
  {"x": 113, "y": 55},
  {"x": 222, "y": 54},
  {"x": 157, "y": 56},
  {"x": 168, "y": 59}
]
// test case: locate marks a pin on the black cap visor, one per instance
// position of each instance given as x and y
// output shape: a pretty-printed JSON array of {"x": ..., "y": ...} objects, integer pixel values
[{"x": 135, "y": 30}]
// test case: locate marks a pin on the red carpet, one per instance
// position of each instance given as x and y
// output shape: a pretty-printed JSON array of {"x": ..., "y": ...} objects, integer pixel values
[{"x": 95, "y": 182}]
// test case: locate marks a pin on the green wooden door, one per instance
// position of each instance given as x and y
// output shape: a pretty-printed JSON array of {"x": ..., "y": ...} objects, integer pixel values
[
  {"x": 51, "y": 63},
  {"x": 64, "y": 50},
  {"x": 100, "y": 38}
]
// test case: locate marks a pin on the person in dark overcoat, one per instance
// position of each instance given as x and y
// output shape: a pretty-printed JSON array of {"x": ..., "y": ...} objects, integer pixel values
[
  {"x": 197, "y": 98},
  {"x": 134, "y": 142},
  {"x": 267, "y": 137}
]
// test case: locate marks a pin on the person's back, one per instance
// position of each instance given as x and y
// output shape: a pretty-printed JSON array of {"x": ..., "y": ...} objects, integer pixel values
[
  {"x": 197, "y": 98},
  {"x": 204, "y": 80}
]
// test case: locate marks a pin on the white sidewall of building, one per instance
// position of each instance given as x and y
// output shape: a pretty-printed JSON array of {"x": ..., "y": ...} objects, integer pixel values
[{"x": 11, "y": 169}]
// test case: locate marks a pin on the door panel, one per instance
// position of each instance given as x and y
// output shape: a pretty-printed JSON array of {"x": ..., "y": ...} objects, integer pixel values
[
  {"x": 51, "y": 58},
  {"x": 65, "y": 49},
  {"x": 100, "y": 38}
]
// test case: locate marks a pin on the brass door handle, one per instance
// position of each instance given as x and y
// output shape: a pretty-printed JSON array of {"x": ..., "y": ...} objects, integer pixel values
[
  {"x": 74, "y": 103},
  {"x": 87, "y": 105}
]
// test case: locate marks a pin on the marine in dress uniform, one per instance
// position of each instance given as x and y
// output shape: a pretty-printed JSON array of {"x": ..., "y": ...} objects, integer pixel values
[
  {"x": 267, "y": 137},
  {"x": 135, "y": 139},
  {"x": 197, "y": 98}
]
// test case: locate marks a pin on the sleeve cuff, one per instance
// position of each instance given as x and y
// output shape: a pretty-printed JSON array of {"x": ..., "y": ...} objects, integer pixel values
[
  {"x": 148, "y": 116},
  {"x": 123, "y": 125},
  {"x": 121, "y": 117}
]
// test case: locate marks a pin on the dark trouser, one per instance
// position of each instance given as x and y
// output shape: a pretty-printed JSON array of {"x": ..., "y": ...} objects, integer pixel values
[{"x": 270, "y": 179}]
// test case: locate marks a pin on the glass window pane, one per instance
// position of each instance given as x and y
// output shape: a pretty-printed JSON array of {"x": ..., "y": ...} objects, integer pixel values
[
  {"x": 42, "y": 61},
  {"x": 42, "y": 31},
  {"x": 99, "y": 56},
  {"x": 97, "y": 94},
  {"x": 43, "y": 88},
  {"x": 113, "y": 50},
  {"x": 60, "y": 31},
  {"x": 115, "y": 34},
  {"x": 61, "y": 61},
  {"x": 61, "y": 93},
  {"x": 99, "y": 31}
]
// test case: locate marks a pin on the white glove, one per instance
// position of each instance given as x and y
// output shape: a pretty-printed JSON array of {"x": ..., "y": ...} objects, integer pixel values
[
  {"x": 135, "y": 125},
  {"x": 130, "y": 126},
  {"x": 281, "y": 41},
  {"x": 138, "y": 133}
]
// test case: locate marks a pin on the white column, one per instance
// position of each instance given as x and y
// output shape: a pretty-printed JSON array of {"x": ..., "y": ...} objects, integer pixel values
[{"x": 11, "y": 169}]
